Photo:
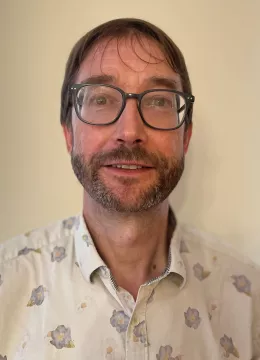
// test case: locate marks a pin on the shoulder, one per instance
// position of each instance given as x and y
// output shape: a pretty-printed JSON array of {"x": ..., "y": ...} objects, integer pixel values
[
  {"x": 202, "y": 248},
  {"x": 37, "y": 240}
]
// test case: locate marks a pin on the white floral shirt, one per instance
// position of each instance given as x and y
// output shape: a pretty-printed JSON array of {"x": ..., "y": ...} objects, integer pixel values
[{"x": 58, "y": 300}]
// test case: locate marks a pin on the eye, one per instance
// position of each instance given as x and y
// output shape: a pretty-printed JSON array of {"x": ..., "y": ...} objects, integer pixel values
[
  {"x": 158, "y": 102},
  {"x": 100, "y": 100}
]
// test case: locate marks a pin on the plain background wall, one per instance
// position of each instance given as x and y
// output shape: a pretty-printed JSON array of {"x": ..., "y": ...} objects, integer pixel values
[{"x": 220, "y": 41}]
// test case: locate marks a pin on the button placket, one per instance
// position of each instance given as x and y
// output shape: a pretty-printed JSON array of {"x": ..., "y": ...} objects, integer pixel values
[{"x": 137, "y": 344}]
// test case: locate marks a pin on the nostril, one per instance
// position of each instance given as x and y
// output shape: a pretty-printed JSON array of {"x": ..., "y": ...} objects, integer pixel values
[{"x": 137, "y": 141}]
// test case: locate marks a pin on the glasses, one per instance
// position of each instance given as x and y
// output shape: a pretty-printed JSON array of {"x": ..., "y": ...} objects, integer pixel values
[{"x": 101, "y": 104}]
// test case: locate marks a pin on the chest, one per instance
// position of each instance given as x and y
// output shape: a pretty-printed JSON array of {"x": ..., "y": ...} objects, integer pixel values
[{"x": 163, "y": 324}]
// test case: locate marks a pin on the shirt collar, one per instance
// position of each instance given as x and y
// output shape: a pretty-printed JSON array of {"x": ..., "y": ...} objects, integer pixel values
[
  {"x": 176, "y": 266},
  {"x": 89, "y": 260},
  {"x": 87, "y": 256}
]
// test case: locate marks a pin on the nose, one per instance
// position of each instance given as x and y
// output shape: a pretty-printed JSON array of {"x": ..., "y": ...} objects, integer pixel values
[{"x": 130, "y": 128}]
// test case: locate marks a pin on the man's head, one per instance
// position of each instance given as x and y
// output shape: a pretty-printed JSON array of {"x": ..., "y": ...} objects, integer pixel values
[{"x": 133, "y": 56}]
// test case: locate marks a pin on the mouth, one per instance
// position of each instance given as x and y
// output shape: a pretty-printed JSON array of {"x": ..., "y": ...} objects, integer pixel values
[
  {"x": 128, "y": 169},
  {"x": 129, "y": 165}
]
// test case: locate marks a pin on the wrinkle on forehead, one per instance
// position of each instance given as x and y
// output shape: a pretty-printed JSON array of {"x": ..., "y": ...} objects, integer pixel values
[
  {"x": 129, "y": 61},
  {"x": 144, "y": 51}
]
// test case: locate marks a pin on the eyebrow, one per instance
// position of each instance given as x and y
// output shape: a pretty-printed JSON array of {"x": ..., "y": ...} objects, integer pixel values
[
  {"x": 160, "y": 81},
  {"x": 154, "y": 81},
  {"x": 99, "y": 79}
]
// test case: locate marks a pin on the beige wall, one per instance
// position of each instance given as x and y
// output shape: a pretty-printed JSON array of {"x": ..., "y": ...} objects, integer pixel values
[{"x": 220, "y": 40}]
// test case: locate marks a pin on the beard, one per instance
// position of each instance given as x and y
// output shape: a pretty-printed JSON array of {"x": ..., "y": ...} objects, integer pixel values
[{"x": 134, "y": 197}]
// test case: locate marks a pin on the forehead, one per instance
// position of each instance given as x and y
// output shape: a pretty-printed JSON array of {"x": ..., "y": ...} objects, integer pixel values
[{"x": 129, "y": 60}]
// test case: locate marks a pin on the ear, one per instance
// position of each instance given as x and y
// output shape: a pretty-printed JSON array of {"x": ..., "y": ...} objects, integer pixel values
[
  {"x": 186, "y": 138},
  {"x": 68, "y": 134}
]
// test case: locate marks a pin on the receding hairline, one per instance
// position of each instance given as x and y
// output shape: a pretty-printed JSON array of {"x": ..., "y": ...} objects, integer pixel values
[
  {"x": 134, "y": 38},
  {"x": 100, "y": 46}
]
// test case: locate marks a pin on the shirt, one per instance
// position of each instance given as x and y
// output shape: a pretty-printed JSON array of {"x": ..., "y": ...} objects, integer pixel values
[{"x": 58, "y": 300}]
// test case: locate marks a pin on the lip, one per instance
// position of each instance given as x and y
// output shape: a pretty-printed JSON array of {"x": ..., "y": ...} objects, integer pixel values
[
  {"x": 128, "y": 172},
  {"x": 129, "y": 163}
]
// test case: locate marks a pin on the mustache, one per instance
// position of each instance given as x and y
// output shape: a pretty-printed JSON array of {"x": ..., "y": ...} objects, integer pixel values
[{"x": 136, "y": 153}]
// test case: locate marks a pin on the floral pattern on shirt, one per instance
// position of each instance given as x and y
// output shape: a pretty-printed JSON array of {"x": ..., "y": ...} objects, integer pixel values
[
  {"x": 87, "y": 240},
  {"x": 183, "y": 247},
  {"x": 120, "y": 321},
  {"x": 94, "y": 308},
  {"x": 83, "y": 305},
  {"x": 69, "y": 223},
  {"x": 61, "y": 337},
  {"x": 242, "y": 284},
  {"x": 165, "y": 353},
  {"x": 140, "y": 332},
  {"x": 58, "y": 254},
  {"x": 228, "y": 346},
  {"x": 192, "y": 318},
  {"x": 26, "y": 251},
  {"x": 212, "y": 308},
  {"x": 22, "y": 346},
  {"x": 214, "y": 259},
  {"x": 199, "y": 272},
  {"x": 109, "y": 350},
  {"x": 37, "y": 296},
  {"x": 28, "y": 233},
  {"x": 77, "y": 222}
]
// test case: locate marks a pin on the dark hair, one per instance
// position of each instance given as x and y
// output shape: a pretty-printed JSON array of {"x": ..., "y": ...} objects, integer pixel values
[{"x": 120, "y": 28}]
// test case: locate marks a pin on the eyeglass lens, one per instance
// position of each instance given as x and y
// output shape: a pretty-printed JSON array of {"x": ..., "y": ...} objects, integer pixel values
[{"x": 101, "y": 105}]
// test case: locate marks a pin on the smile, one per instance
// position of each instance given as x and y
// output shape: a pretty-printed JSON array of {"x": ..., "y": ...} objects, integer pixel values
[{"x": 131, "y": 167}]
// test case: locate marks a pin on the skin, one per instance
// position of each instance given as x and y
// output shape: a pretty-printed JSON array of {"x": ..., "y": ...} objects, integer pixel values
[{"x": 130, "y": 232}]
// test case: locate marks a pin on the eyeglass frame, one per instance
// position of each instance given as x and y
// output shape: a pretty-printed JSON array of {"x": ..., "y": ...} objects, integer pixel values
[{"x": 189, "y": 101}]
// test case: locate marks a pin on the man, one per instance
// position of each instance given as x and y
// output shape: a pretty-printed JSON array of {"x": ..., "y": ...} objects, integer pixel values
[{"x": 124, "y": 280}]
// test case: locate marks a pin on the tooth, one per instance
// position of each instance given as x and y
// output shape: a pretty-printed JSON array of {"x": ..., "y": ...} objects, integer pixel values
[
  {"x": 129, "y": 166},
  {"x": 132, "y": 167}
]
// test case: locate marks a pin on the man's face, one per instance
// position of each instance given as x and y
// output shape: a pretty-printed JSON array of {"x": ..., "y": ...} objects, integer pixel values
[{"x": 93, "y": 148}]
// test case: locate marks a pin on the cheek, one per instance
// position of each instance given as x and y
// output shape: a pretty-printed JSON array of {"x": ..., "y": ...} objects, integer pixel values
[
  {"x": 170, "y": 144},
  {"x": 87, "y": 138},
  {"x": 80, "y": 136},
  {"x": 83, "y": 141}
]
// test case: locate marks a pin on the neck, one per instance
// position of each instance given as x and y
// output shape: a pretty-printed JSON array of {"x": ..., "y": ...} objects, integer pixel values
[{"x": 134, "y": 246}]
